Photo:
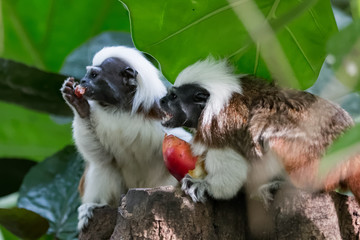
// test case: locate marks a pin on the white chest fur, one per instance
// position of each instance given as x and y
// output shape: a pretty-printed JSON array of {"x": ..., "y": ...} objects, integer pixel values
[{"x": 135, "y": 144}]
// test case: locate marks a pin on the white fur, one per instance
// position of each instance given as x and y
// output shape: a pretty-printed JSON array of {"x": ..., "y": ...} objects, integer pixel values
[
  {"x": 122, "y": 149},
  {"x": 217, "y": 77},
  {"x": 227, "y": 173},
  {"x": 263, "y": 171},
  {"x": 198, "y": 149},
  {"x": 150, "y": 87},
  {"x": 132, "y": 141}
]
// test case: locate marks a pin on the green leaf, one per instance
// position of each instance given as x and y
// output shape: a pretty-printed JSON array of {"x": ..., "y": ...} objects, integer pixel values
[
  {"x": 342, "y": 149},
  {"x": 32, "y": 88},
  {"x": 23, "y": 223},
  {"x": 344, "y": 50},
  {"x": 42, "y": 33},
  {"x": 12, "y": 172},
  {"x": 40, "y": 90},
  {"x": 355, "y": 8},
  {"x": 50, "y": 189},
  {"x": 31, "y": 135},
  {"x": 178, "y": 33},
  {"x": 7, "y": 235}
]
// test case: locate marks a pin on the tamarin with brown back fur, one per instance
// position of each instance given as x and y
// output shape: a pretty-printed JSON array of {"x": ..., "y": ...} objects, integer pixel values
[{"x": 250, "y": 132}]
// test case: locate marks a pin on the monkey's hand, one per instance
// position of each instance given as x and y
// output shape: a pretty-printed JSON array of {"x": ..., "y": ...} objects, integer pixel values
[
  {"x": 81, "y": 105},
  {"x": 85, "y": 213},
  {"x": 195, "y": 188}
]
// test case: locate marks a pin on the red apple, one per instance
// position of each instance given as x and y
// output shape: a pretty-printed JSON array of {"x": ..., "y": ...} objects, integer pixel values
[{"x": 177, "y": 156}]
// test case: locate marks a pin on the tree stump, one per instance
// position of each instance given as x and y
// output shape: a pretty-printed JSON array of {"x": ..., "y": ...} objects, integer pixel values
[{"x": 167, "y": 213}]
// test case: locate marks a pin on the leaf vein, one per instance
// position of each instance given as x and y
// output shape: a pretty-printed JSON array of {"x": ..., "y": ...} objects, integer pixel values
[
  {"x": 299, "y": 47},
  {"x": 209, "y": 15}
]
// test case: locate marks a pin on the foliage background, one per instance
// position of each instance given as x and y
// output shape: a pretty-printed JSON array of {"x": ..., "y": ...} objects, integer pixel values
[{"x": 55, "y": 39}]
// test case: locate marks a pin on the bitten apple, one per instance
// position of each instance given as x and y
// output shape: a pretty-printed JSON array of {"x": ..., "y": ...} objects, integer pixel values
[{"x": 179, "y": 159}]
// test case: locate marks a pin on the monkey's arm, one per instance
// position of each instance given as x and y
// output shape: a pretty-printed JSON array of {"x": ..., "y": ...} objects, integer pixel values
[
  {"x": 227, "y": 173},
  {"x": 100, "y": 178},
  {"x": 84, "y": 133},
  {"x": 102, "y": 181},
  {"x": 103, "y": 185},
  {"x": 79, "y": 105}
]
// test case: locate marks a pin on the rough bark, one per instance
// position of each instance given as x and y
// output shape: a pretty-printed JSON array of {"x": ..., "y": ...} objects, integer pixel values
[{"x": 166, "y": 213}]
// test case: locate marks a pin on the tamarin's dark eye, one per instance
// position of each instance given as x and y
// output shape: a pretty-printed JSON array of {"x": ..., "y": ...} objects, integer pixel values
[
  {"x": 172, "y": 96},
  {"x": 93, "y": 74}
]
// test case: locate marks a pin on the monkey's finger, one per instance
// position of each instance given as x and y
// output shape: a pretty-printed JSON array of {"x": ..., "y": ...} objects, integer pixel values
[
  {"x": 67, "y": 90},
  {"x": 65, "y": 86},
  {"x": 69, "y": 97},
  {"x": 198, "y": 192},
  {"x": 71, "y": 79},
  {"x": 186, "y": 183},
  {"x": 69, "y": 83}
]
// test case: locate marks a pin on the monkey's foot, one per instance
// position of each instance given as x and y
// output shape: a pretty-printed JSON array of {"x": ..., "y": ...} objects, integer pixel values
[
  {"x": 80, "y": 104},
  {"x": 267, "y": 192},
  {"x": 85, "y": 213},
  {"x": 195, "y": 188}
]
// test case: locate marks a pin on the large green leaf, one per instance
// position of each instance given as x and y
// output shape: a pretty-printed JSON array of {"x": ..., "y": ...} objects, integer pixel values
[
  {"x": 12, "y": 172},
  {"x": 50, "y": 189},
  {"x": 32, "y": 88},
  {"x": 179, "y": 32},
  {"x": 342, "y": 149},
  {"x": 42, "y": 33},
  {"x": 23, "y": 223},
  {"x": 7, "y": 235},
  {"x": 31, "y": 135}
]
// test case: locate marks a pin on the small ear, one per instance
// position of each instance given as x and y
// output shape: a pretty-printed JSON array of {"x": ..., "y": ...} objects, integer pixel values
[
  {"x": 129, "y": 75},
  {"x": 201, "y": 96},
  {"x": 129, "y": 72}
]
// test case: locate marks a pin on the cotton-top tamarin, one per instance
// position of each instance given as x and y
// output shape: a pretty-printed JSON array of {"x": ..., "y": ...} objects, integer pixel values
[
  {"x": 251, "y": 132},
  {"x": 117, "y": 127}
]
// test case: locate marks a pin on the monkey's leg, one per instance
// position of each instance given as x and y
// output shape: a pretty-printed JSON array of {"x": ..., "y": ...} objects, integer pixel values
[
  {"x": 267, "y": 191},
  {"x": 103, "y": 186},
  {"x": 103, "y": 183},
  {"x": 227, "y": 173}
]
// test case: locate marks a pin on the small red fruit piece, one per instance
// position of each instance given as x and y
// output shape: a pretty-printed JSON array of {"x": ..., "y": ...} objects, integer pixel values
[
  {"x": 79, "y": 91},
  {"x": 177, "y": 156}
]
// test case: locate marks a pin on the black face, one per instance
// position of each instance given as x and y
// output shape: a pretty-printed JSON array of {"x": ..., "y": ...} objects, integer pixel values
[
  {"x": 183, "y": 105},
  {"x": 111, "y": 83}
]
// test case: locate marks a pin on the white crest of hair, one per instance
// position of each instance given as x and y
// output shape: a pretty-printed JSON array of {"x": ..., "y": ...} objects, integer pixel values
[
  {"x": 150, "y": 88},
  {"x": 217, "y": 77}
]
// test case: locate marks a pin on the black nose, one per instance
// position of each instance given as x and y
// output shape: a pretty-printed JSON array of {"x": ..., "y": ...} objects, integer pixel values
[
  {"x": 83, "y": 81},
  {"x": 163, "y": 100}
]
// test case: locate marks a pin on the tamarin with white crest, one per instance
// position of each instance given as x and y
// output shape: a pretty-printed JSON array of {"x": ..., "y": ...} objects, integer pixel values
[
  {"x": 117, "y": 127},
  {"x": 250, "y": 132}
]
